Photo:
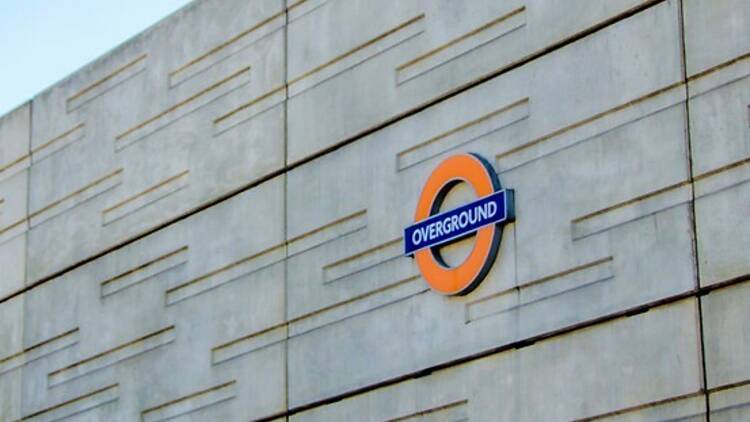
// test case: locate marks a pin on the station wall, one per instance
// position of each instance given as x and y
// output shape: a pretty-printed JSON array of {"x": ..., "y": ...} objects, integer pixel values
[{"x": 205, "y": 223}]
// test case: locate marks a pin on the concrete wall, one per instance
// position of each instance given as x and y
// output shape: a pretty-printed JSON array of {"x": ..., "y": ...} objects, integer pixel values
[{"x": 205, "y": 223}]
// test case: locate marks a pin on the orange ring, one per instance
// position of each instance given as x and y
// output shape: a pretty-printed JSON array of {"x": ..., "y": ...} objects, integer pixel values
[{"x": 459, "y": 280}]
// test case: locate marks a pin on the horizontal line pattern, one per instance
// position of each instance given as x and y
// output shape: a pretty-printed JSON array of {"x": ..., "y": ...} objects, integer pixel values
[
  {"x": 391, "y": 293},
  {"x": 115, "y": 78},
  {"x": 14, "y": 166},
  {"x": 227, "y": 49},
  {"x": 300, "y": 8},
  {"x": 327, "y": 232},
  {"x": 454, "y": 412},
  {"x": 248, "y": 344},
  {"x": 205, "y": 96},
  {"x": 462, "y": 45},
  {"x": 725, "y": 177},
  {"x": 527, "y": 151},
  {"x": 250, "y": 109},
  {"x": 13, "y": 230},
  {"x": 144, "y": 271},
  {"x": 76, "y": 198},
  {"x": 539, "y": 289},
  {"x": 362, "y": 260},
  {"x": 226, "y": 274},
  {"x": 77, "y": 405},
  {"x": 59, "y": 142},
  {"x": 720, "y": 75},
  {"x": 357, "y": 55},
  {"x": 463, "y": 134},
  {"x": 147, "y": 197},
  {"x": 631, "y": 210},
  {"x": 112, "y": 356},
  {"x": 39, "y": 350},
  {"x": 191, "y": 403}
]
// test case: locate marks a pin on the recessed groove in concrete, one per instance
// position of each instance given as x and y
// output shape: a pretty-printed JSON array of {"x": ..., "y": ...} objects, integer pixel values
[
  {"x": 113, "y": 79},
  {"x": 720, "y": 66},
  {"x": 729, "y": 386},
  {"x": 226, "y": 274},
  {"x": 680, "y": 408},
  {"x": 253, "y": 358},
  {"x": 227, "y": 49},
  {"x": 191, "y": 402},
  {"x": 14, "y": 229},
  {"x": 110, "y": 357},
  {"x": 533, "y": 291},
  {"x": 14, "y": 166},
  {"x": 248, "y": 344},
  {"x": 247, "y": 111},
  {"x": 720, "y": 76},
  {"x": 144, "y": 271},
  {"x": 301, "y": 8},
  {"x": 460, "y": 46},
  {"x": 728, "y": 397},
  {"x": 59, "y": 142},
  {"x": 649, "y": 203},
  {"x": 366, "y": 51},
  {"x": 728, "y": 167},
  {"x": 362, "y": 261},
  {"x": 456, "y": 411},
  {"x": 39, "y": 350},
  {"x": 625, "y": 313},
  {"x": 614, "y": 117},
  {"x": 91, "y": 190},
  {"x": 722, "y": 178},
  {"x": 463, "y": 134},
  {"x": 194, "y": 102},
  {"x": 630, "y": 210},
  {"x": 389, "y": 294},
  {"x": 75, "y": 406},
  {"x": 292, "y": 165},
  {"x": 161, "y": 190},
  {"x": 327, "y": 232},
  {"x": 495, "y": 350}
]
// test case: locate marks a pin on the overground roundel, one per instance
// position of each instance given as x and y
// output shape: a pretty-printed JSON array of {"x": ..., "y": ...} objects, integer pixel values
[{"x": 484, "y": 216}]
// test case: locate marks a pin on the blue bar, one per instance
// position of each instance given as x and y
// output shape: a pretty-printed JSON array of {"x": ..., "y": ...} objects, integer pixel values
[{"x": 459, "y": 222}]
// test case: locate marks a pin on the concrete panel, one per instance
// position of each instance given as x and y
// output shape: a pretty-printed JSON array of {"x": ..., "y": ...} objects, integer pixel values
[
  {"x": 335, "y": 195},
  {"x": 727, "y": 335},
  {"x": 154, "y": 130},
  {"x": 12, "y": 262},
  {"x": 720, "y": 136},
  {"x": 15, "y": 135},
  {"x": 13, "y": 227},
  {"x": 398, "y": 55},
  {"x": 580, "y": 106},
  {"x": 570, "y": 257},
  {"x": 15, "y": 130},
  {"x": 716, "y": 32},
  {"x": 730, "y": 405},
  {"x": 557, "y": 379},
  {"x": 11, "y": 352},
  {"x": 157, "y": 360}
]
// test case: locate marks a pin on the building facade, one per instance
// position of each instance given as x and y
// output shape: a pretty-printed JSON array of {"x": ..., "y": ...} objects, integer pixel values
[{"x": 206, "y": 223}]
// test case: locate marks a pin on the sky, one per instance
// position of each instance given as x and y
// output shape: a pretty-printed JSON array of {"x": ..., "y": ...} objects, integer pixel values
[{"x": 43, "y": 41}]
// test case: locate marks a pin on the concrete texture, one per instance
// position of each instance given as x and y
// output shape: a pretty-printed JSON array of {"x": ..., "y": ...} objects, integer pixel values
[
  {"x": 588, "y": 374},
  {"x": 164, "y": 154},
  {"x": 720, "y": 140},
  {"x": 205, "y": 223},
  {"x": 15, "y": 128},
  {"x": 727, "y": 341}
]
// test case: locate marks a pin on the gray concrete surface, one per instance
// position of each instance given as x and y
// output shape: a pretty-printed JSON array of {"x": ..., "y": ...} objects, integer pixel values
[{"x": 205, "y": 223}]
